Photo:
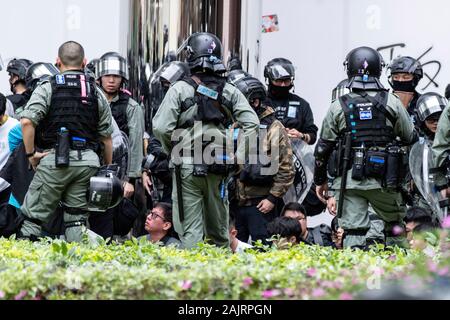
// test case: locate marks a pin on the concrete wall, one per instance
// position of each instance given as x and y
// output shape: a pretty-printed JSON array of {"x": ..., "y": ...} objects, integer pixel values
[
  {"x": 35, "y": 29},
  {"x": 317, "y": 34}
]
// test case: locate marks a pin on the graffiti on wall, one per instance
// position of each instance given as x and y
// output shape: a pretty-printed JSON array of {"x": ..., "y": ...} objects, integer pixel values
[{"x": 431, "y": 68}]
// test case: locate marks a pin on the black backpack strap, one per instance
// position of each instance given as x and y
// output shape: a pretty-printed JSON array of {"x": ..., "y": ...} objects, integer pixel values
[{"x": 347, "y": 111}]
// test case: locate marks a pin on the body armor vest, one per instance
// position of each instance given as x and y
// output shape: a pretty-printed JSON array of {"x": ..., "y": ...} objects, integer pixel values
[
  {"x": 119, "y": 112},
  {"x": 74, "y": 105},
  {"x": 212, "y": 106},
  {"x": 366, "y": 119}
]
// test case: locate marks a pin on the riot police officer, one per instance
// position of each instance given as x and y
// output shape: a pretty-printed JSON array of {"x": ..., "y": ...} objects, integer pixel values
[
  {"x": 198, "y": 110},
  {"x": 74, "y": 119},
  {"x": 367, "y": 121},
  {"x": 17, "y": 69},
  {"x": 293, "y": 111},
  {"x": 112, "y": 74},
  {"x": 405, "y": 74}
]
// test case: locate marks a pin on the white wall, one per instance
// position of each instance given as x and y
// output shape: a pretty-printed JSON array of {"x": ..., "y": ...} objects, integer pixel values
[
  {"x": 317, "y": 34},
  {"x": 35, "y": 29}
]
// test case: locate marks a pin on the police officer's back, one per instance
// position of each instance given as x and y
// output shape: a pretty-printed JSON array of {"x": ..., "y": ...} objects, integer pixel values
[
  {"x": 74, "y": 121},
  {"x": 207, "y": 102},
  {"x": 373, "y": 119}
]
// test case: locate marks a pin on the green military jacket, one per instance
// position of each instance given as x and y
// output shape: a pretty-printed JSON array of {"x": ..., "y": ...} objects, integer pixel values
[
  {"x": 169, "y": 118},
  {"x": 136, "y": 127},
  {"x": 334, "y": 126},
  {"x": 441, "y": 144},
  {"x": 284, "y": 177},
  {"x": 39, "y": 106}
]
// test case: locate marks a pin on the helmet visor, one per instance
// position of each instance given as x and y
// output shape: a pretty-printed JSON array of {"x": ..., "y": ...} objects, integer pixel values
[
  {"x": 431, "y": 105},
  {"x": 278, "y": 72},
  {"x": 172, "y": 73},
  {"x": 45, "y": 69},
  {"x": 112, "y": 66}
]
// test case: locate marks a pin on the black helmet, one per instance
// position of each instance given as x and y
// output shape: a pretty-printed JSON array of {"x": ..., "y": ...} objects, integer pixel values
[
  {"x": 204, "y": 51},
  {"x": 252, "y": 88},
  {"x": 236, "y": 75},
  {"x": 105, "y": 190},
  {"x": 340, "y": 90},
  {"x": 429, "y": 104},
  {"x": 364, "y": 66},
  {"x": 19, "y": 67},
  {"x": 173, "y": 71},
  {"x": 91, "y": 66},
  {"x": 278, "y": 69},
  {"x": 234, "y": 63},
  {"x": 406, "y": 65},
  {"x": 111, "y": 63},
  {"x": 38, "y": 72}
]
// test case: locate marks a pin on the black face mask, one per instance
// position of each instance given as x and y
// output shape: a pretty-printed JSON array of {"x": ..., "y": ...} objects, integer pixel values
[
  {"x": 280, "y": 92},
  {"x": 404, "y": 86}
]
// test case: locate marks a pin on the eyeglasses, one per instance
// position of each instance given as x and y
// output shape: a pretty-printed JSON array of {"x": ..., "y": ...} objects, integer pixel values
[{"x": 154, "y": 215}]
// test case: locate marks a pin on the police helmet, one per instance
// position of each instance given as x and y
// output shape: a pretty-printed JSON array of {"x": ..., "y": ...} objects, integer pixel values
[
  {"x": 279, "y": 69},
  {"x": 251, "y": 88},
  {"x": 234, "y": 63},
  {"x": 236, "y": 75},
  {"x": 340, "y": 90},
  {"x": 38, "y": 72},
  {"x": 364, "y": 66},
  {"x": 112, "y": 63},
  {"x": 105, "y": 189},
  {"x": 19, "y": 67},
  {"x": 204, "y": 51},
  {"x": 407, "y": 65},
  {"x": 91, "y": 66},
  {"x": 174, "y": 71},
  {"x": 430, "y": 104}
]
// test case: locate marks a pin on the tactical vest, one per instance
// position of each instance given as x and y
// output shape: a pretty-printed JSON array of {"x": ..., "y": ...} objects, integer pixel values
[
  {"x": 366, "y": 119},
  {"x": 286, "y": 111},
  {"x": 74, "y": 105},
  {"x": 119, "y": 112},
  {"x": 213, "y": 107}
]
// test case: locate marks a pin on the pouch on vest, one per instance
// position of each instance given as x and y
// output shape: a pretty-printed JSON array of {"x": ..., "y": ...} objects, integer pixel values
[{"x": 375, "y": 164}]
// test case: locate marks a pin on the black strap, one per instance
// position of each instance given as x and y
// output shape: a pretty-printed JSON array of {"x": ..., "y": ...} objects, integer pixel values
[
  {"x": 74, "y": 211},
  {"x": 356, "y": 232}
]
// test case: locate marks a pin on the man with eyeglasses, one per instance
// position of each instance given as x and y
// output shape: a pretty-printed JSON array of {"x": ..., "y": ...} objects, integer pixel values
[
  {"x": 320, "y": 235},
  {"x": 160, "y": 227}
]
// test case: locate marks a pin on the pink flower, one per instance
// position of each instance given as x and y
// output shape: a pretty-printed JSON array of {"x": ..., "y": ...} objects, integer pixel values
[
  {"x": 346, "y": 296},
  {"x": 432, "y": 267},
  {"x": 186, "y": 285},
  {"x": 267, "y": 294},
  {"x": 446, "y": 223},
  {"x": 311, "y": 272},
  {"x": 443, "y": 272},
  {"x": 289, "y": 292},
  {"x": 247, "y": 282},
  {"x": 397, "y": 230},
  {"x": 2, "y": 294},
  {"x": 318, "y": 293},
  {"x": 22, "y": 294},
  {"x": 392, "y": 258}
]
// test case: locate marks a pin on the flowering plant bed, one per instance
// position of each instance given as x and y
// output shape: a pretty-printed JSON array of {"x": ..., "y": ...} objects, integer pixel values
[{"x": 57, "y": 270}]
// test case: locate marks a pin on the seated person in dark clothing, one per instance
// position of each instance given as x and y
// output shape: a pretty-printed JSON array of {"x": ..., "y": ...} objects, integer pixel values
[
  {"x": 288, "y": 230},
  {"x": 159, "y": 225},
  {"x": 320, "y": 235}
]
